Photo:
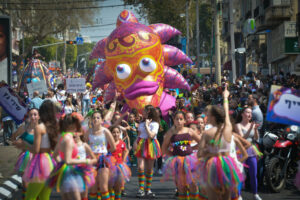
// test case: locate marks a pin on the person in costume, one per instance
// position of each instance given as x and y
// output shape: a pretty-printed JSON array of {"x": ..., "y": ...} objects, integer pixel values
[
  {"x": 25, "y": 133},
  {"x": 40, "y": 166},
  {"x": 218, "y": 172},
  {"x": 182, "y": 162},
  {"x": 98, "y": 138},
  {"x": 147, "y": 149},
  {"x": 120, "y": 171},
  {"x": 163, "y": 128},
  {"x": 132, "y": 133},
  {"x": 249, "y": 131},
  {"x": 72, "y": 175}
]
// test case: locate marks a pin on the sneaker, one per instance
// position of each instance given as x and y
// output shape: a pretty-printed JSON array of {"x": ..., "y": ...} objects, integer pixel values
[
  {"x": 123, "y": 193},
  {"x": 240, "y": 198},
  {"x": 159, "y": 172},
  {"x": 150, "y": 194},
  {"x": 140, "y": 193},
  {"x": 257, "y": 197}
]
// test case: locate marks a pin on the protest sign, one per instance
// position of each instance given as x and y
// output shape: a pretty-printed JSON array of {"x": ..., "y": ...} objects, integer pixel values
[
  {"x": 75, "y": 85},
  {"x": 12, "y": 104},
  {"x": 284, "y": 105},
  {"x": 37, "y": 86}
]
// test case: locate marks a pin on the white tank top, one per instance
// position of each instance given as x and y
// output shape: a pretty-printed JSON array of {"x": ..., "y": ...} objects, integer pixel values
[
  {"x": 81, "y": 152},
  {"x": 45, "y": 142},
  {"x": 234, "y": 156},
  {"x": 98, "y": 143}
]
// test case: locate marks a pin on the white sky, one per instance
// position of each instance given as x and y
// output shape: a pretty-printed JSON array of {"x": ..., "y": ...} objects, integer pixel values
[{"x": 107, "y": 16}]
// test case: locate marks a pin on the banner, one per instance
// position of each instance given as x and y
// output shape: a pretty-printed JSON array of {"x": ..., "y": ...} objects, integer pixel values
[
  {"x": 284, "y": 105},
  {"x": 12, "y": 104},
  {"x": 37, "y": 86},
  {"x": 75, "y": 85}
]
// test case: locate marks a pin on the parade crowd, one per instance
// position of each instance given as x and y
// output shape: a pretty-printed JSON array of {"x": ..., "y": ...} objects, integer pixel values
[{"x": 85, "y": 149}]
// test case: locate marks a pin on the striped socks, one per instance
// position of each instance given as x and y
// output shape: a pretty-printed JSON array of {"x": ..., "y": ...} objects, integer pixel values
[
  {"x": 105, "y": 196},
  {"x": 93, "y": 196},
  {"x": 23, "y": 192},
  {"x": 149, "y": 180},
  {"x": 99, "y": 195},
  {"x": 141, "y": 176},
  {"x": 118, "y": 196},
  {"x": 183, "y": 196},
  {"x": 194, "y": 196},
  {"x": 112, "y": 194}
]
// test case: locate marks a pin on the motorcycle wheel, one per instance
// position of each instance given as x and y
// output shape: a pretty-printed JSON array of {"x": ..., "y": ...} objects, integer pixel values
[{"x": 275, "y": 181}]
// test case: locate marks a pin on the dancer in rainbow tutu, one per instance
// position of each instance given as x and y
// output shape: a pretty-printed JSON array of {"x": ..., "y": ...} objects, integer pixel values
[
  {"x": 182, "y": 162},
  {"x": 72, "y": 175},
  {"x": 25, "y": 133},
  {"x": 218, "y": 172}
]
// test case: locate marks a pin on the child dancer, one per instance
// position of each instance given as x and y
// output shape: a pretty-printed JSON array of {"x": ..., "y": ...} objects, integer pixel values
[
  {"x": 25, "y": 133},
  {"x": 120, "y": 172},
  {"x": 147, "y": 149},
  {"x": 182, "y": 161},
  {"x": 41, "y": 165},
  {"x": 218, "y": 172},
  {"x": 132, "y": 132},
  {"x": 98, "y": 138},
  {"x": 72, "y": 175}
]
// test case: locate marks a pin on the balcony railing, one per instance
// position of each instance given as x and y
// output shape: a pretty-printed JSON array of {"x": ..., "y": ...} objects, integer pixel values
[
  {"x": 279, "y": 3},
  {"x": 277, "y": 13}
]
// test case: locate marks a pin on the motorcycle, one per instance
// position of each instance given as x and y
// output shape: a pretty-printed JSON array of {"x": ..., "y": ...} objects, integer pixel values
[{"x": 281, "y": 159}]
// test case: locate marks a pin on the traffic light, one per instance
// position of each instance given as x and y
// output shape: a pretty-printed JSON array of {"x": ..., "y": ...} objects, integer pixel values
[{"x": 71, "y": 42}]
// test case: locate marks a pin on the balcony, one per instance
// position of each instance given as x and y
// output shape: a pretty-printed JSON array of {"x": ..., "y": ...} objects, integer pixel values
[
  {"x": 278, "y": 3},
  {"x": 279, "y": 14},
  {"x": 298, "y": 24}
]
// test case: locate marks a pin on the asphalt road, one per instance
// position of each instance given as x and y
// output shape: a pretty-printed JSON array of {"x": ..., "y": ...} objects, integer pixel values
[{"x": 165, "y": 190}]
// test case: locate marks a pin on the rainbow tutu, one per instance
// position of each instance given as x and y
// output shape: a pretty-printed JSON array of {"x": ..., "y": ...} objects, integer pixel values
[
  {"x": 119, "y": 172},
  {"x": 219, "y": 172},
  {"x": 22, "y": 161},
  {"x": 39, "y": 168},
  {"x": 182, "y": 168},
  {"x": 105, "y": 161},
  {"x": 148, "y": 148},
  {"x": 70, "y": 178}
]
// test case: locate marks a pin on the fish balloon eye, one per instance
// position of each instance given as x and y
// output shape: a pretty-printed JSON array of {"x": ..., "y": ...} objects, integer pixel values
[
  {"x": 123, "y": 71},
  {"x": 147, "y": 65}
]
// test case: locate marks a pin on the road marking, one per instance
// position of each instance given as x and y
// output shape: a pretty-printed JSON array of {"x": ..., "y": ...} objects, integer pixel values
[
  {"x": 11, "y": 185},
  {"x": 5, "y": 192}
]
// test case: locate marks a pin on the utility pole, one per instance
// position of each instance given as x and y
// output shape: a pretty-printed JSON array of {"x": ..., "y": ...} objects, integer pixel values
[
  {"x": 232, "y": 43},
  {"x": 197, "y": 35},
  {"x": 187, "y": 26},
  {"x": 217, "y": 47}
]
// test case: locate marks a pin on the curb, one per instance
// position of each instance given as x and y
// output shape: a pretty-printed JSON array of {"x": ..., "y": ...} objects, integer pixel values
[{"x": 9, "y": 186}]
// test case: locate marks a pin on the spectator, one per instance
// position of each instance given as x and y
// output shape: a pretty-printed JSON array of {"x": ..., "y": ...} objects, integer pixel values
[
  {"x": 8, "y": 127},
  {"x": 86, "y": 99},
  {"x": 257, "y": 115},
  {"x": 36, "y": 102}
]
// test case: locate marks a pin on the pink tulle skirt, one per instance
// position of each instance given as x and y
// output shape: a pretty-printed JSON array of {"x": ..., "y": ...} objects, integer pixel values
[
  {"x": 183, "y": 169},
  {"x": 119, "y": 172},
  {"x": 39, "y": 168}
]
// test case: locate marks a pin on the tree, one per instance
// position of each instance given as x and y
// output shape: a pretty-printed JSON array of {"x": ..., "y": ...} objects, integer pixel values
[{"x": 47, "y": 18}]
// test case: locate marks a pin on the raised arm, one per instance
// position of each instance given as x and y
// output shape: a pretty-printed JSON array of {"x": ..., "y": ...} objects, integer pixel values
[{"x": 227, "y": 130}]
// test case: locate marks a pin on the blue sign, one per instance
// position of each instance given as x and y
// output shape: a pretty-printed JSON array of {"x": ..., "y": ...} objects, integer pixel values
[{"x": 79, "y": 40}]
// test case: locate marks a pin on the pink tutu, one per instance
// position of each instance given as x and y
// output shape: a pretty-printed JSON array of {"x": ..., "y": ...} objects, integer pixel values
[
  {"x": 39, "y": 168},
  {"x": 120, "y": 171},
  {"x": 23, "y": 160},
  {"x": 181, "y": 168}
]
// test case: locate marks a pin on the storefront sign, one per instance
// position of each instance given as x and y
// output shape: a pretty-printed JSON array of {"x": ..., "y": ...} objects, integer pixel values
[
  {"x": 12, "y": 104},
  {"x": 284, "y": 105},
  {"x": 292, "y": 46},
  {"x": 75, "y": 85}
]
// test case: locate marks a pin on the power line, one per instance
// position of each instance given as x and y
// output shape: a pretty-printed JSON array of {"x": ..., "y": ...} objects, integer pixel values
[
  {"x": 100, "y": 25},
  {"x": 49, "y": 2},
  {"x": 71, "y": 8}
]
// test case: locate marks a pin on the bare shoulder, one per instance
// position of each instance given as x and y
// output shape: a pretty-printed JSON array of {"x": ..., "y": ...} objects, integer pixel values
[{"x": 41, "y": 128}]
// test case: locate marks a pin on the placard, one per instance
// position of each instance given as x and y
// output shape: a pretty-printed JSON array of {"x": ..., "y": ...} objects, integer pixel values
[
  {"x": 284, "y": 105},
  {"x": 12, "y": 104},
  {"x": 37, "y": 86},
  {"x": 75, "y": 85}
]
